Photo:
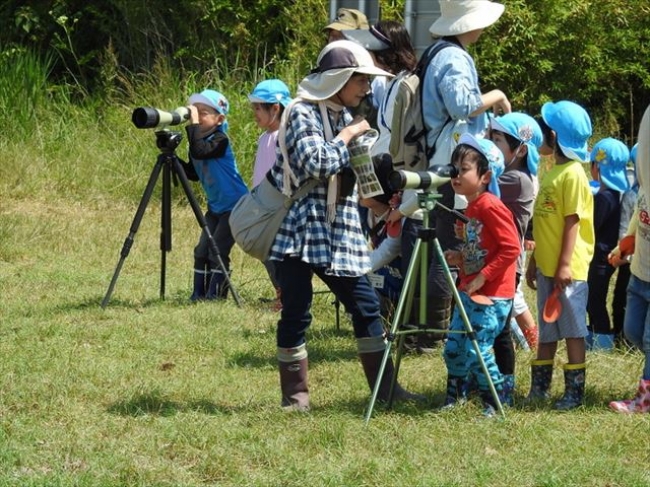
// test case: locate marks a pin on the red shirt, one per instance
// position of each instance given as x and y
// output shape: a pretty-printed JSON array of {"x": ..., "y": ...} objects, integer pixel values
[{"x": 490, "y": 246}]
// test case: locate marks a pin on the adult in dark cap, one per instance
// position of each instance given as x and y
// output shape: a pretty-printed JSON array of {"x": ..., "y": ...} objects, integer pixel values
[{"x": 321, "y": 233}]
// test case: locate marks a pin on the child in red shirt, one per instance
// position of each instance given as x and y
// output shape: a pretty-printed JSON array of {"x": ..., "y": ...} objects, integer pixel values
[{"x": 487, "y": 262}]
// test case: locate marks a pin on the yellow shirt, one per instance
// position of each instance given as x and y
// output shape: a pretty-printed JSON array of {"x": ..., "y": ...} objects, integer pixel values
[{"x": 564, "y": 191}]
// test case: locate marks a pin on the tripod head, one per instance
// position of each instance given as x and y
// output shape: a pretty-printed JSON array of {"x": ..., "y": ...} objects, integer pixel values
[{"x": 168, "y": 140}]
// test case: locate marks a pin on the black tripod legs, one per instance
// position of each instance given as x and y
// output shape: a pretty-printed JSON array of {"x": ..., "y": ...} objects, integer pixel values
[{"x": 137, "y": 219}]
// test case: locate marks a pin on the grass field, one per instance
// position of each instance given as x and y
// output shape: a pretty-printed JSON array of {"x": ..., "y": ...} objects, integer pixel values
[{"x": 163, "y": 392}]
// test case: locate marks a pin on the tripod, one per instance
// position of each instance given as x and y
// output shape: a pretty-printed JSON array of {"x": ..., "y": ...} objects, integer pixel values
[
  {"x": 426, "y": 201},
  {"x": 168, "y": 163}
]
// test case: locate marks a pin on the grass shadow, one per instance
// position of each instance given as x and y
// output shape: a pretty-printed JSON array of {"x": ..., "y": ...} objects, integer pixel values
[{"x": 154, "y": 404}]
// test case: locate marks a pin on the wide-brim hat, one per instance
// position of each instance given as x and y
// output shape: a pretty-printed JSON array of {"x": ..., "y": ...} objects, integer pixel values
[
  {"x": 372, "y": 39},
  {"x": 348, "y": 18},
  {"x": 611, "y": 156},
  {"x": 493, "y": 155},
  {"x": 461, "y": 16},
  {"x": 525, "y": 129},
  {"x": 271, "y": 91},
  {"x": 336, "y": 63},
  {"x": 572, "y": 125},
  {"x": 212, "y": 99}
]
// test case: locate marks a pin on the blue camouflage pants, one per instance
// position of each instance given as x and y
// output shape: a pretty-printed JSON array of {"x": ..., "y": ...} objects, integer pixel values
[{"x": 487, "y": 322}]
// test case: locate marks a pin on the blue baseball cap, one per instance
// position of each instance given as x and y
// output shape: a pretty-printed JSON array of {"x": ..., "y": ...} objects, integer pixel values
[
  {"x": 212, "y": 99},
  {"x": 525, "y": 129},
  {"x": 271, "y": 91},
  {"x": 611, "y": 156},
  {"x": 493, "y": 155},
  {"x": 572, "y": 125}
]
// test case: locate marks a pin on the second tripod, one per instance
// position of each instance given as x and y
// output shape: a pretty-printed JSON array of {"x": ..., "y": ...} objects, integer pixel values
[
  {"x": 419, "y": 263},
  {"x": 169, "y": 164}
]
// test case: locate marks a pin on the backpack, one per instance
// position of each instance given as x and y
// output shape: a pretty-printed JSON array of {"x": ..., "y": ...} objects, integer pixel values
[{"x": 408, "y": 138}]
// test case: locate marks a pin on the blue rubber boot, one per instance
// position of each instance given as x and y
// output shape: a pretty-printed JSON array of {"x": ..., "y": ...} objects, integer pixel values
[
  {"x": 198, "y": 293},
  {"x": 215, "y": 289}
]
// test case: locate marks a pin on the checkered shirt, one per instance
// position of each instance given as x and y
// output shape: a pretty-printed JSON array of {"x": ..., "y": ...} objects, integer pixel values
[{"x": 340, "y": 247}]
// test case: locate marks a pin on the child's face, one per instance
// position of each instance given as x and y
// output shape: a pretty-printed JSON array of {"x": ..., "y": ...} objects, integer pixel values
[
  {"x": 509, "y": 155},
  {"x": 354, "y": 90},
  {"x": 208, "y": 116},
  {"x": 266, "y": 116},
  {"x": 468, "y": 182}
]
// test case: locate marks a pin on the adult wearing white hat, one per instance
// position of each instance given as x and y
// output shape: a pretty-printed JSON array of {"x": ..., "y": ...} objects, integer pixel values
[
  {"x": 321, "y": 233},
  {"x": 452, "y": 104}
]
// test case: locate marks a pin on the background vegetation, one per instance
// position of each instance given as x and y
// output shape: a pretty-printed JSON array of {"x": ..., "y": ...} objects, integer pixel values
[{"x": 161, "y": 392}]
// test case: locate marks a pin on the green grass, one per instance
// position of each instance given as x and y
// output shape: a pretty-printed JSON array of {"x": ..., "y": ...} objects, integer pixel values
[{"x": 151, "y": 392}]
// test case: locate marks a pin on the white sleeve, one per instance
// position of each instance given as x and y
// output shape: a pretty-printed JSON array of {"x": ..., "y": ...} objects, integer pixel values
[{"x": 388, "y": 249}]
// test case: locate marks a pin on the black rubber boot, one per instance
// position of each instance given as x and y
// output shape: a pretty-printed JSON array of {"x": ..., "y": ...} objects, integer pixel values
[{"x": 293, "y": 378}]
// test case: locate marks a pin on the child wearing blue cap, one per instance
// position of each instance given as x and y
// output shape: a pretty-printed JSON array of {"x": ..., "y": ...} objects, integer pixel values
[
  {"x": 608, "y": 160},
  {"x": 213, "y": 164},
  {"x": 268, "y": 99},
  {"x": 628, "y": 203},
  {"x": 519, "y": 138},
  {"x": 487, "y": 261},
  {"x": 564, "y": 245}
]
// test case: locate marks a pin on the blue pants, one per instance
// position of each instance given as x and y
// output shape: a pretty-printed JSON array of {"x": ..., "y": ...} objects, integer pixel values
[
  {"x": 487, "y": 322},
  {"x": 637, "y": 318},
  {"x": 355, "y": 293}
]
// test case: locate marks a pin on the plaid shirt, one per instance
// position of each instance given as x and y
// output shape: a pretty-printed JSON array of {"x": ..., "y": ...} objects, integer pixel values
[{"x": 339, "y": 247}]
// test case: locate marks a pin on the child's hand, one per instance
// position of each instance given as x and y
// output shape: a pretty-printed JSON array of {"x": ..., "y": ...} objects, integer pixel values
[
  {"x": 531, "y": 273},
  {"x": 615, "y": 258},
  {"x": 453, "y": 257},
  {"x": 194, "y": 114},
  {"x": 475, "y": 284},
  {"x": 563, "y": 276}
]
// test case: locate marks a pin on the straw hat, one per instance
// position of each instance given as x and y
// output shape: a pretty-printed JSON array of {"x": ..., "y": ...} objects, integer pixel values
[{"x": 461, "y": 16}]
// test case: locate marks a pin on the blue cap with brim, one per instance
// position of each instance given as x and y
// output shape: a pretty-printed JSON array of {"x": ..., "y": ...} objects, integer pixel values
[
  {"x": 611, "y": 156},
  {"x": 493, "y": 155},
  {"x": 212, "y": 99},
  {"x": 525, "y": 129},
  {"x": 271, "y": 91},
  {"x": 572, "y": 125}
]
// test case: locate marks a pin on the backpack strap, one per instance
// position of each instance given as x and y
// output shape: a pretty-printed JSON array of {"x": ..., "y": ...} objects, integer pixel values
[{"x": 421, "y": 69}]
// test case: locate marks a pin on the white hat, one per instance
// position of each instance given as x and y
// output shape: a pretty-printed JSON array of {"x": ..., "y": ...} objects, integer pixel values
[
  {"x": 337, "y": 62},
  {"x": 461, "y": 16}
]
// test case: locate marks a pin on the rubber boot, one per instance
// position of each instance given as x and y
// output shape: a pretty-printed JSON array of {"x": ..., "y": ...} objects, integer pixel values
[
  {"x": 490, "y": 407},
  {"x": 541, "y": 373},
  {"x": 574, "y": 387},
  {"x": 602, "y": 342},
  {"x": 639, "y": 404},
  {"x": 199, "y": 285},
  {"x": 508, "y": 390},
  {"x": 438, "y": 318},
  {"x": 217, "y": 279},
  {"x": 456, "y": 391},
  {"x": 371, "y": 354},
  {"x": 293, "y": 364}
]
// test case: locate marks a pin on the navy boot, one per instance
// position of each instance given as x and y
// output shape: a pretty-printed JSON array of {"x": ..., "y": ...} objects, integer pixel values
[
  {"x": 199, "y": 285},
  {"x": 217, "y": 281}
]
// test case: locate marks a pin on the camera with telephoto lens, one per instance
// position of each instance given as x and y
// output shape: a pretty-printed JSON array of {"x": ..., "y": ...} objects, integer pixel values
[
  {"x": 426, "y": 180},
  {"x": 151, "y": 118}
]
